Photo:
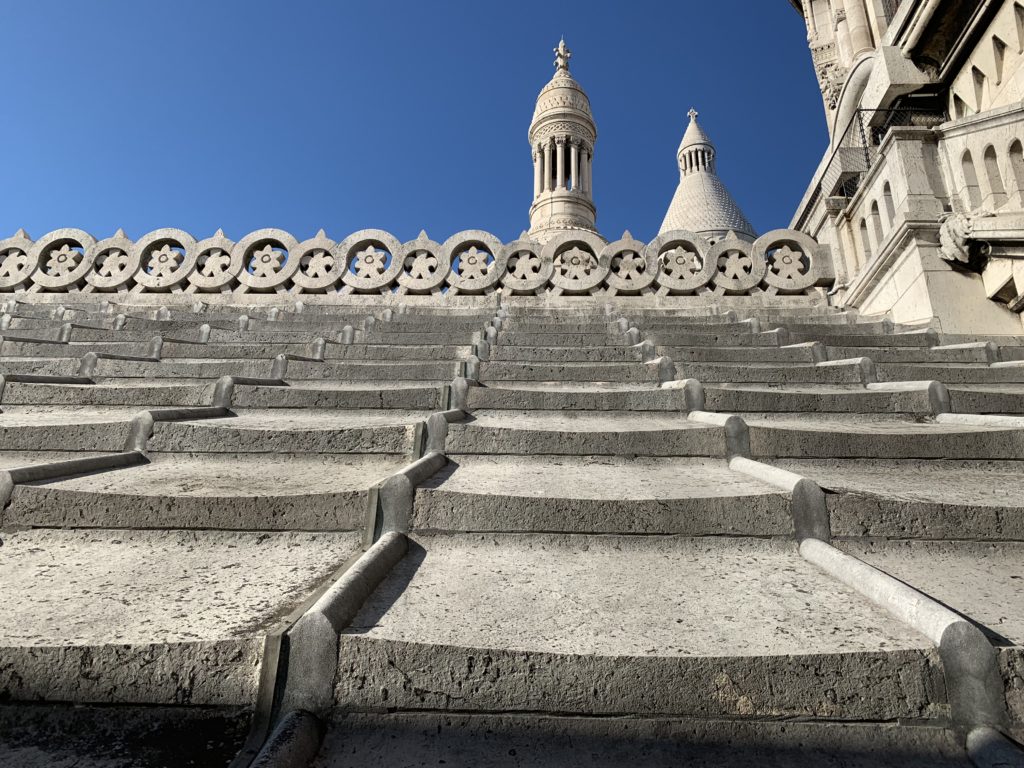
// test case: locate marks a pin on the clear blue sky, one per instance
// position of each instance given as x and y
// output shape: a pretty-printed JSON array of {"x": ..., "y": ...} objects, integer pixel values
[{"x": 400, "y": 115}]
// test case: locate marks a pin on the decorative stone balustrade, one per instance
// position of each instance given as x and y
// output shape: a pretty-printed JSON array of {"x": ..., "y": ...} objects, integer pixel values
[{"x": 372, "y": 261}]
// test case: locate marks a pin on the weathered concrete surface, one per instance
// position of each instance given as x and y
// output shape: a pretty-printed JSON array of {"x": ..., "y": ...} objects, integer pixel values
[
  {"x": 311, "y": 430},
  {"x": 124, "y": 392},
  {"x": 155, "y": 617},
  {"x": 599, "y": 495},
  {"x": 617, "y": 625},
  {"x": 67, "y": 429},
  {"x": 54, "y": 736},
  {"x": 817, "y": 398},
  {"x": 418, "y": 740},
  {"x": 584, "y": 433},
  {"x": 914, "y": 499},
  {"x": 238, "y": 491},
  {"x": 340, "y": 394}
]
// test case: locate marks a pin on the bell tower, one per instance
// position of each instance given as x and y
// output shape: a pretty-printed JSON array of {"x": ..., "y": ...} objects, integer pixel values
[{"x": 562, "y": 136}]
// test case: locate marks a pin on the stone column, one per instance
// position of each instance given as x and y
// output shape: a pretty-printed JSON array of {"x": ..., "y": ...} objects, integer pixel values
[
  {"x": 583, "y": 168},
  {"x": 842, "y": 35},
  {"x": 859, "y": 28},
  {"x": 547, "y": 166},
  {"x": 590, "y": 172},
  {"x": 574, "y": 164},
  {"x": 538, "y": 170},
  {"x": 560, "y": 161}
]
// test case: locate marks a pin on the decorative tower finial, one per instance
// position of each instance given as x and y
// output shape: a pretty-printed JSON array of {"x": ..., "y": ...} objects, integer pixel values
[
  {"x": 562, "y": 56},
  {"x": 693, "y": 114}
]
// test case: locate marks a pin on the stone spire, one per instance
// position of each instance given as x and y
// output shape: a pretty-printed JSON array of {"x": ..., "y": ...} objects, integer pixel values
[
  {"x": 562, "y": 136},
  {"x": 701, "y": 203}
]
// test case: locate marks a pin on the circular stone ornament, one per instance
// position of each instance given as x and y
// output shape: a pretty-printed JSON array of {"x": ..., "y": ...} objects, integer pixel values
[
  {"x": 630, "y": 268},
  {"x": 576, "y": 263},
  {"x": 115, "y": 263},
  {"x": 481, "y": 261},
  {"x": 16, "y": 265},
  {"x": 737, "y": 270},
  {"x": 62, "y": 259},
  {"x": 425, "y": 266},
  {"x": 166, "y": 258},
  {"x": 321, "y": 264},
  {"x": 266, "y": 258},
  {"x": 683, "y": 262},
  {"x": 218, "y": 265},
  {"x": 366, "y": 254},
  {"x": 788, "y": 256},
  {"x": 526, "y": 270}
]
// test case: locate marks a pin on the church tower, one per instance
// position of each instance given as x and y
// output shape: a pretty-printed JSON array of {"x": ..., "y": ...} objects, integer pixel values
[
  {"x": 701, "y": 203},
  {"x": 562, "y": 136}
]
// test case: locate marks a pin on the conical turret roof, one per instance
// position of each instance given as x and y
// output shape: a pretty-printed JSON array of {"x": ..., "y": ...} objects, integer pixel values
[{"x": 701, "y": 203}]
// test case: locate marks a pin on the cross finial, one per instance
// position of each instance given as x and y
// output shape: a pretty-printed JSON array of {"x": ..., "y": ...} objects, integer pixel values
[
  {"x": 562, "y": 56},
  {"x": 693, "y": 114}
]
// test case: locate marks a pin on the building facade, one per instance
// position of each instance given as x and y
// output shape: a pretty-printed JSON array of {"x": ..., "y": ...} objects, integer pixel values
[{"x": 920, "y": 191}]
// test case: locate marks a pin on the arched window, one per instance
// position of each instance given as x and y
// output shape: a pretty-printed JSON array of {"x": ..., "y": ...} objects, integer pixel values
[
  {"x": 876, "y": 225},
  {"x": 997, "y": 192},
  {"x": 890, "y": 209},
  {"x": 865, "y": 241},
  {"x": 1017, "y": 168},
  {"x": 972, "y": 193}
]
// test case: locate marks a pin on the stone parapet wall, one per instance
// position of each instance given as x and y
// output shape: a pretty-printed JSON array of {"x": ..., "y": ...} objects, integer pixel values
[{"x": 374, "y": 262}]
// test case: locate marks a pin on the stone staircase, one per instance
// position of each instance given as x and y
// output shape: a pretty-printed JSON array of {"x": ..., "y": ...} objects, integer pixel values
[{"x": 555, "y": 532}]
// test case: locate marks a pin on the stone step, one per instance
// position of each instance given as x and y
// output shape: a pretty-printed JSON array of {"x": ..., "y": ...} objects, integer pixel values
[
  {"x": 659, "y": 327},
  {"x": 601, "y": 326},
  {"x": 913, "y": 499},
  {"x": 981, "y": 398},
  {"x": 952, "y": 374},
  {"x": 125, "y": 392},
  {"x": 39, "y": 366},
  {"x": 427, "y": 338},
  {"x": 397, "y": 351},
  {"x": 912, "y": 354},
  {"x": 561, "y": 339},
  {"x": 203, "y": 490},
  {"x": 584, "y": 433},
  {"x": 338, "y": 394},
  {"x": 439, "y": 370},
  {"x": 44, "y": 428},
  {"x": 712, "y": 339},
  {"x": 529, "y": 371},
  {"x": 233, "y": 336},
  {"x": 814, "y": 398},
  {"x": 57, "y": 349},
  {"x": 575, "y": 397},
  {"x": 217, "y": 350},
  {"x": 839, "y": 329},
  {"x": 588, "y": 494},
  {"x": 876, "y": 435},
  {"x": 361, "y": 740},
  {"x": 765, "y": 373},
  {"x": 789, "y": 354},
  {"x": 607, "y": 625},
  {"x": 860, "y": 339},
  {"x": 150, "y": 617},
  {"x": 310, "y": 430},
  {"x": 505, "y": 353}
]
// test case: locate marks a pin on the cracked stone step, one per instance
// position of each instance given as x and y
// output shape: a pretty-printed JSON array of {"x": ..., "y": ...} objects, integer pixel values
[
  {"x": 876, "y": 435},
  {"x": 545, "y": 741},
  {"x": 278, "y": 431},
  {"x": 588, "y": 494},
  {"x": 528, "y": 371},
  {"x": 576, "y": 396},
  {"x": 41, "y": 366},
  {"x": 267, "y": 492},
  {"x": 608, "y": 625},
  {"x": 585, "y": 433},
  {"x": 150, "y": 617},
  {"x": 814, "y": 398},
  {"x": 339, "y": 394},
  {"x": 919, "y": 499}
]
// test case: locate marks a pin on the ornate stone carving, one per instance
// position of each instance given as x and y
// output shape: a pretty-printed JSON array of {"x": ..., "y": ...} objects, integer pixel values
[{"x": 956, "y": 237}]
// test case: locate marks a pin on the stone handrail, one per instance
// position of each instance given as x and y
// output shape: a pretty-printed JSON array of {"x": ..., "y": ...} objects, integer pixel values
[{"x": 373, "y": 261}]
